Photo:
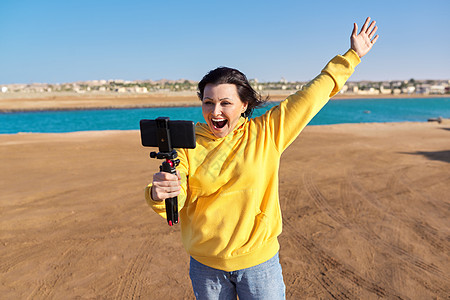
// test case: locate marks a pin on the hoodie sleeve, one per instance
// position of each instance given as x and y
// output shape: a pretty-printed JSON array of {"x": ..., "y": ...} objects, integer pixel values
[
  {"x": 287, "y": 120},
  {"x": 159, "y": 206}
]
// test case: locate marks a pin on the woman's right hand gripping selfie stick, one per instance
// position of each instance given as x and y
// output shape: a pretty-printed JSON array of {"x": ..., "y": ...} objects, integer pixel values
[{"x": 169, "y": 166}]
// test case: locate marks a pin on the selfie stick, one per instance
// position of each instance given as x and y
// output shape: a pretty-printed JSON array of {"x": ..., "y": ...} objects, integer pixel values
[{"x": 169, "y": 154}]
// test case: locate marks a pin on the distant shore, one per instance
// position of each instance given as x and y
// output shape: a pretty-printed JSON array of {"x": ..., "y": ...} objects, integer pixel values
[{"x": 17, "y": 102}]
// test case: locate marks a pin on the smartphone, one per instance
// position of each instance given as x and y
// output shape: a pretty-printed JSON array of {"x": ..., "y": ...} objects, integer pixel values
[{"x": 181, "y": 133}]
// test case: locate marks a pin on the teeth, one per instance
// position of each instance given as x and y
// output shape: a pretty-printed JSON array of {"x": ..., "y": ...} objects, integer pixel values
[{"x": 218, "y": 123}]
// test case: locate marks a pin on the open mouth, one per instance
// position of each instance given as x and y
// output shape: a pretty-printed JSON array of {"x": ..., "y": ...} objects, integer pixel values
[{"x": 219, "y": 123}]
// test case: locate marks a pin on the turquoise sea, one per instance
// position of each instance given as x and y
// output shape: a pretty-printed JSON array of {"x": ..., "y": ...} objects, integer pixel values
[{"x": 335, "y": 112}]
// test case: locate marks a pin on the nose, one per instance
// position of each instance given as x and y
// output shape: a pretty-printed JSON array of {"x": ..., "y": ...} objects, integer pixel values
[{"x": 217, "y": 110}]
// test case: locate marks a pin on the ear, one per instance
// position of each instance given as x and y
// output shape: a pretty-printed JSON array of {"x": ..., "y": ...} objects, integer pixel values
[{"x": 244, "y": 107}]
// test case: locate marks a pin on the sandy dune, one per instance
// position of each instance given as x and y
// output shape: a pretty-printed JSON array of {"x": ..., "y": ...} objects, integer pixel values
[
  {"x": 366, "y": 216},
  {"x": 86, "y": 101}
]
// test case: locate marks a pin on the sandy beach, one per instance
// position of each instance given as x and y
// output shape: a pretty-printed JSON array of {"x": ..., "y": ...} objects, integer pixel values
[{"x": 365, "y": 207}]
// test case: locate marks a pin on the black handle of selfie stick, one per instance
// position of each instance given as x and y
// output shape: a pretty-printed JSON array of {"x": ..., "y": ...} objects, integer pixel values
[{"x": 169, "y": 166}]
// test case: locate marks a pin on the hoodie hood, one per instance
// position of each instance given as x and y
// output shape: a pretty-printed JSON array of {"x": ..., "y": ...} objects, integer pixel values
[{"x": 202, "y": 129}]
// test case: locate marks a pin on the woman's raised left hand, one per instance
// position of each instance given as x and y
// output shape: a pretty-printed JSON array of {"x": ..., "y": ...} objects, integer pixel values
[{"x": 362, "y": 43}]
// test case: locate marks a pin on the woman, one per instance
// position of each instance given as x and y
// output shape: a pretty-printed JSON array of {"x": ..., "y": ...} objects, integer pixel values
[{"x": 227, "y": 186}]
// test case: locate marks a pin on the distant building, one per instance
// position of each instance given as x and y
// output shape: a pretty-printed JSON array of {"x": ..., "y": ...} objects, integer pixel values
[
  {"x": 408, "y": 90},
  {"x": 385, "y": 90},
  {"x": 120, "y": 90},
  {"x": 141, "y": 89},
  {"x": 423, "y": 88},
  {"x": 4, "y": 89},
  {"x": 437, "y": 89}
]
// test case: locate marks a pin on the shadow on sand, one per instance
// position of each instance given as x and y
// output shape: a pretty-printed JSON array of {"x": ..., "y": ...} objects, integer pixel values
[{"x": 433, "y": 155}]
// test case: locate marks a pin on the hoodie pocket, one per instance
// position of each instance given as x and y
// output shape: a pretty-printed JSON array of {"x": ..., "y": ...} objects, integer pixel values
[{"x": 226, "y": 225}]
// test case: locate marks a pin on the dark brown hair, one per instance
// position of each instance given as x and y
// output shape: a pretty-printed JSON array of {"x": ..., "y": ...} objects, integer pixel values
[{"x": 246, "y": 93}]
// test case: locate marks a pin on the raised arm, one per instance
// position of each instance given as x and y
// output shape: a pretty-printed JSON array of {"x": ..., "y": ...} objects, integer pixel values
[{"x": 289, "y": 118}]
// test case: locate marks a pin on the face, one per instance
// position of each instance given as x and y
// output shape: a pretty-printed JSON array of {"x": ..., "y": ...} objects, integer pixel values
[{"x": 222, "y": 108}]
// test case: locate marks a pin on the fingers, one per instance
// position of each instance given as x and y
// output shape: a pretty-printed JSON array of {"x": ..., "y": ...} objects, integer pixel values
[
  {"x": 369, "y": 29},
  {"x": 355, "y": 29},
  {"x": 375, "y": 39},
  {"x": 161, "y": 193},
  {"x": 372, "y": 24},
  {"x": 164, "y": 176},
  {"x": 164, "y": 192},
  {"x": 366, "y": 23},
  {"x": 165, "y": 185},
  {"x": 373, "y": 32}
]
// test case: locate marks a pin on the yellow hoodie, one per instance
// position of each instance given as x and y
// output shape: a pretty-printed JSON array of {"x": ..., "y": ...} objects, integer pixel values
[{"x": 229, "y": 208}]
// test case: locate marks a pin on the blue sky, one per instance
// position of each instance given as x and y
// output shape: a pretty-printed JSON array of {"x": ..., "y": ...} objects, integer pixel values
[{"x": 64, "y": 41}]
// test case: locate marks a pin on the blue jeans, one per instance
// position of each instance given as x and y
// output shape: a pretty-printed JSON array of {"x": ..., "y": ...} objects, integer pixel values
[{"x": 263, "y": 281}]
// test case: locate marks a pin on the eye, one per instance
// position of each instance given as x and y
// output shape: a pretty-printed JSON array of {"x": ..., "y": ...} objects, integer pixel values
[
  {"x": 225, "y": 103},
  {"x": 207, "y": 102}
]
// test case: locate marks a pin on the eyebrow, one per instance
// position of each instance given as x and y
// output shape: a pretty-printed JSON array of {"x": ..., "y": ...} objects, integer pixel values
[{"x": 226, "y": 98}]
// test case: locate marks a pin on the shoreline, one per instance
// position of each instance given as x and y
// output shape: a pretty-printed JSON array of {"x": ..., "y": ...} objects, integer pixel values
[
  {"x": 131, "y": 101},
  {"x": 443, "y": 122}
]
